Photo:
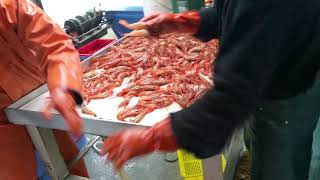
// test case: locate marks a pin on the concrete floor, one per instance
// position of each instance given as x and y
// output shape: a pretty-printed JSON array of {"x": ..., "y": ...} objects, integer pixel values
[{"x": 151, "y": 167}]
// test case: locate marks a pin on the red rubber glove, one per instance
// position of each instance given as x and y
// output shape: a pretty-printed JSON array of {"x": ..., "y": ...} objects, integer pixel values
[
  {"x": 64, "y": 103},
  {"x": 186, "y": 22},
  {"x": 64, "y": 83},
  {"x": 132, "y": 142}
]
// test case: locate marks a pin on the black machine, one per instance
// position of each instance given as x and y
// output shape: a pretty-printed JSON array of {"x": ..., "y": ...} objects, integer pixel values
[
  {"x": 88, "y": 27},
  {"x": 85, "y": 28}
]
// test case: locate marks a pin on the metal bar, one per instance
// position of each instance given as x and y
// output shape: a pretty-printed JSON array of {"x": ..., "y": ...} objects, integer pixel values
[
  {"x": 45, "y": 143},
  {"x": 40, "y": 147},
  {"x": 52, "y": 147},
  {"x": 233, "y": 154},
  {"x": 82, "y": 152},
  {"x": 101, "y": 52},
  {"x": 97, "y": 147},
  {"x": 95, "y": 126},
  {"x": 91, "y": 30},
  {"x": 212, "y": 168}
]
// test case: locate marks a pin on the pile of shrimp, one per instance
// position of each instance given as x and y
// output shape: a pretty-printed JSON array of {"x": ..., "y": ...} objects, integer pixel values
[{"x": 159, "y": 70}]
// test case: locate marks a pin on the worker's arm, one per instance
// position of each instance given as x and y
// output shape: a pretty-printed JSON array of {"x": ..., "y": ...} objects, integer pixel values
[
  {"x": 39, "y": 33},
  {"x": 209, "y": 24},
  {"x": 203, "y": 24},
  {"x": 185, "y": 22},
  {"x": 251, "y": 48},
  {"x": 59, "y": 60}
]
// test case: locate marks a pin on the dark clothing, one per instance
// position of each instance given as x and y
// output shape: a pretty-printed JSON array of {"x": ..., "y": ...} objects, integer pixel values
[
  {"x": 269, "y": 50},
  {"x": 282, "y": 141}
]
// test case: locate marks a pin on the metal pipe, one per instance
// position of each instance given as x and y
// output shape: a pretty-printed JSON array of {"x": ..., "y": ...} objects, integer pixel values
[{"x": 82, "y": 152}]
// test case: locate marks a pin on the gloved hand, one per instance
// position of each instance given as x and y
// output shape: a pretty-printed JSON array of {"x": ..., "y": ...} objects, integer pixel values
[
  {"x": 186, "y": 22},
  {"x": 64, "y": 85},
  {"x": 64, "y": 103},
  {"x": 130, "y": 143}
]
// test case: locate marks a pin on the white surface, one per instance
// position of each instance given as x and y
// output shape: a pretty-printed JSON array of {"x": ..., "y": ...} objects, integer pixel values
[
  {"x": 107, "y": 109},
  {"x": 62, "y": 10}
]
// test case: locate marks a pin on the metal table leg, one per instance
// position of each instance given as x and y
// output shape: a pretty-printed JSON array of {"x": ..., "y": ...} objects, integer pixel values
[
  {"x": 233, "y": 153},
  {"x": 45, "y": 143},
  {"x": 83, "y": 151},
  {"x": 212, "y": 168}
]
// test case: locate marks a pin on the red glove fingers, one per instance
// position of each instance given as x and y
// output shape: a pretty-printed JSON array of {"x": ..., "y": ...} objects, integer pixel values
[
  {"x": 64, "y": 103},
  {"x": 186, "y": 22},
  {"x": 133, "y": 142}
]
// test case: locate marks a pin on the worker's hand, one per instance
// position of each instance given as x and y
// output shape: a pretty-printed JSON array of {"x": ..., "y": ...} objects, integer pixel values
[
  {"x": 130, "y": 143},
  {"x": 64, "y": 103},
  {"x": 186, "y": 22}
]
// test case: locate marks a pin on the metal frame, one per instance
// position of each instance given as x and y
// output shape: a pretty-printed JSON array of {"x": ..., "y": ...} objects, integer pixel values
[
  {"x": 212, "y": 169},
  {"x": 233, "y": 152}
]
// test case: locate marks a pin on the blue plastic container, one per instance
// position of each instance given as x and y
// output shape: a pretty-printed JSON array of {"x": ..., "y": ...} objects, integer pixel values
[
  {"x": 41, "y": 172},
  {"x": 130, "y": 16}
]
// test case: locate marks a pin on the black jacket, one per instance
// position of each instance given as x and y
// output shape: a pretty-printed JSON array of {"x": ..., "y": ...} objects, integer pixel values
[{"x": 269, "y": 49}]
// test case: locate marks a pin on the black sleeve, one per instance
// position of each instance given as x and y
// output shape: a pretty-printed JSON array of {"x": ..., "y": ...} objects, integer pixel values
[
  {"x": 208, "y": 25},
  {"x": 250, "y": 48}
]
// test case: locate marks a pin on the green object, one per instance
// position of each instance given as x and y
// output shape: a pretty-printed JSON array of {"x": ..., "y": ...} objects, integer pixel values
[
  {"x": 282, "y": 137},
  {"x": 185, "y": 5}
]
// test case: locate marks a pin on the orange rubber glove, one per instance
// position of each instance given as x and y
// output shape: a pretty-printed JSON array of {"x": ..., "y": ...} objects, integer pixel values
[
  {"x": 132, "y": 142},
  {"x": 63, "y": 101},
  {"x": 63, "y": 85},
  {"x": 186, "y": 22}
]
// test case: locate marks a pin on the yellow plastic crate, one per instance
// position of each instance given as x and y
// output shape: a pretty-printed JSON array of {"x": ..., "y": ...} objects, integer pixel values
[{"x": 191, "y": 167}]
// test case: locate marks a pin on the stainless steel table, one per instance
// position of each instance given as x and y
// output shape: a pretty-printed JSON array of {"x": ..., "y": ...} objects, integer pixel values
[{"x": 26, "y": 111}]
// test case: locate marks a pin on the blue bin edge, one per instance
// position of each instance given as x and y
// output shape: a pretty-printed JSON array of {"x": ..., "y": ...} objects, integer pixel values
[{"x": 130, "y": 16}]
